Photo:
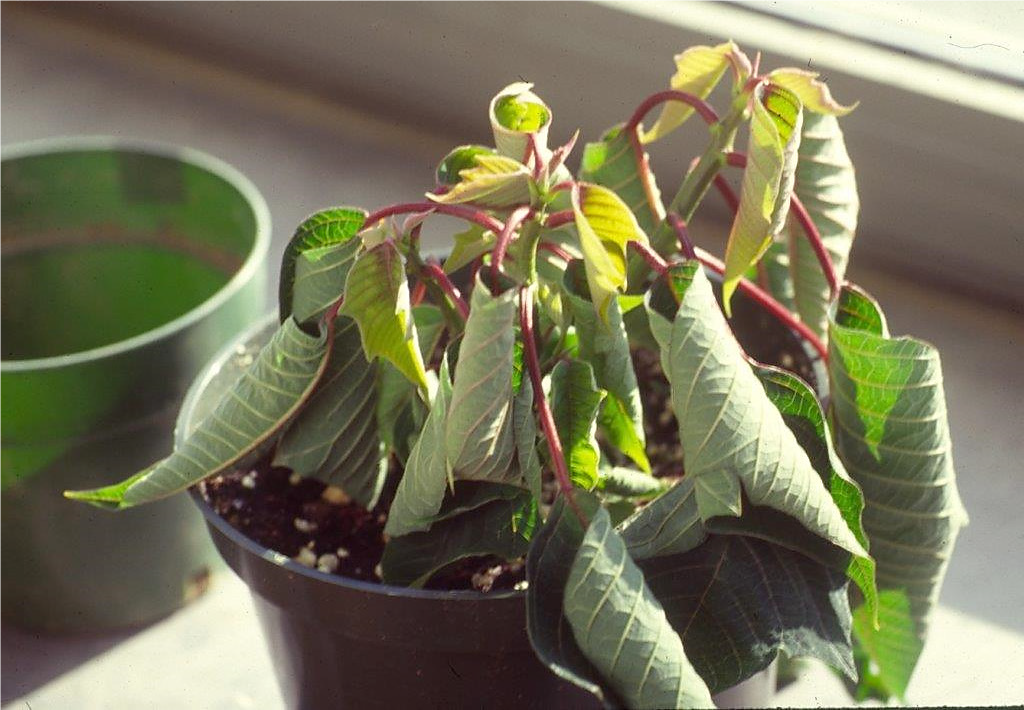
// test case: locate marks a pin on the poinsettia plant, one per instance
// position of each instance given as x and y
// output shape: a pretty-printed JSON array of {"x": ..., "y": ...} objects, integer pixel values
[{"x": 510, "y": 408}]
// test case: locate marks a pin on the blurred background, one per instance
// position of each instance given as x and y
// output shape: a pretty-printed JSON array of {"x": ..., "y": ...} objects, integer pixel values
[{"x": 324, "y": 104}]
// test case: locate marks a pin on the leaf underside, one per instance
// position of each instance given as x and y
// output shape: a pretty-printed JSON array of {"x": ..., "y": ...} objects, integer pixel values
[
  {"x": 575, "y": 401},
  {"x": 892, "y": 434}
]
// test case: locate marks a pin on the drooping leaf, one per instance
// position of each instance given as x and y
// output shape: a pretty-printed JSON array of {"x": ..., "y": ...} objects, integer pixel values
[
  {"x": 524, "y": 426},
  {"x": 479, "y": 436},
  {"x": 502, "y": 527},
  {"x": 575, "y": 401},
  {"x": 737, "y": 601},
  {"x": 802, "y": 413},
  {"x": 470, "y": 495},
  {"x": 319, "y": 254},
  {"x": 621, "y": 628},
  {"x": 493, "y": 181},
  {"x": 882, "y": 655},
  {"x": 611, "y": 162},
  {"x": 892, "y": 434},
  {"x": 734, "y": 439},
  {"x": 827, "y": 187},
  {"x": 242, "y": 425},
  {"x": 377, "y": 299},
  {"x": 421, "y": 491},
  {"x": 670, "y": 524},
  {"x": 547, "y": 573},
  {"x": 606, "y": 347},
  {"x": 812, "y": 92},
  {"x": 767, "y": 183},
  {"x": 516, "y": 111},
  {"x": 605, "y": 226},
  {"x": 334, "y": 437},
  {"x": 698, "y": 71},
  {"x": 459, "y": 159},
  {"x": 630, "y": 483},
  {"x": 468, "y": 245}
]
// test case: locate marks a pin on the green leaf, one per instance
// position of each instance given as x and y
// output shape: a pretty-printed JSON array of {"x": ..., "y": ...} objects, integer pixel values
[
  {"x": 698, "y": 71},
  {"x": 316, "y": 262},
  {"x": 884, "y": 652},
  {"x": 670, "y": 524},
  {"x": 621, "y": 627},
  {"x": 813, "y": 93},
  {"x": 479, "y": 437},
  {"x": 468, "y": 245},
  {"x": 893, "y": 435},
  {"x": 502, "y": 527},
  {"x": 242, "y": 425},
  {"x": 606, "y": 347},
  {"x": 514, "y": 112},
  {"x": 547, "y": 572},
  {"x": 734, "y": 439},
  {"x": 611, "y": 163},
  {"x": 524, "y": 427},
  {"x": 377, "y": 299},
  {"x": 493, "y": 181},
  {"x": 459, "y": 159},
  {"x": 605, "y": 226},
  {"x": 737, "y": 601},
  {"x": 629, "y": 483},
  {"x": 767, "y": 181},
  {"x": 827, "y": 186},
  {"x": 575, "y": 400},
  {"x": 802, "y": 413},
  {"x": 334, "y": 437},
  {"x": 470, "y": 495},
  {"x": 421, "y": 491}
]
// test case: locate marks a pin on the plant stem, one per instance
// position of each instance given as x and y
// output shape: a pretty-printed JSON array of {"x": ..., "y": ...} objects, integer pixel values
[
  {"x": 643, "y": 168},
  {"x": 683, "y": 234},
  {"x": 547, "y": 421},
  {"x": 702, "y": 107},
  {"x": 727, "y": 193},
  {"x": 517, "y": 217},
  {"x": 436, "y": 273},
  {"x": 467, "y": 213},
  {"x": 559, "y": 219},
  {"x": 807, "y": 226},
  {"x": 556, "y": 250},
  {"x": 767, "y": 302},
  {"x": 650, "y": 256}
]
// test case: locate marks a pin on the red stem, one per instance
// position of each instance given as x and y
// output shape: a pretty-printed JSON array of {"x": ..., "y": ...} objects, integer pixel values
[
  {"x": 765, "y": 300},
  {"x": 467, "y": 213},
  {"x": 560, "y": 219},
  {"x": 807, "y": 226},
  {"x": 682, "y": 234},
  {"x": 518, "y": 216},
  {"x": 451, "y": 290},
  {"x": 700, "y": 105},
  {"x": 643, "y": 168},
  {"x": 547, "y": 421},
  {"x": 652, "y": 257},
  {"x": 556, "y": 250},
  {"x": 727, "y": 193}
]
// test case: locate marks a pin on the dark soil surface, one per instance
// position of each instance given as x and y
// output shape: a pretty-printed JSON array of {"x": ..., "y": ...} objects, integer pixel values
[{"x": 303, "y": 519}]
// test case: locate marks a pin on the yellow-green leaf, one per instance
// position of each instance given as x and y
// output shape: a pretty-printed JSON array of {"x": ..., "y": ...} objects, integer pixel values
[
  {"x": 767, "y": 181},
  {"x": 494, "y": 181},
  {"x": 698, "y": 71},
  {"x": 515, "y": 112},
  {"x": 377, "y": 299},
  {"x": 813, "y": 93}
]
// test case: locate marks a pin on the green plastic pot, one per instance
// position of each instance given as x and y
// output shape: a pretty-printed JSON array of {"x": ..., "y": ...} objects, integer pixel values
[{"x": 125, "y": 268}]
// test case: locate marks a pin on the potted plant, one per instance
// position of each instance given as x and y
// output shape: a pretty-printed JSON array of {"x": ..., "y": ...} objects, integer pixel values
[{"x": 565, "y": 414}]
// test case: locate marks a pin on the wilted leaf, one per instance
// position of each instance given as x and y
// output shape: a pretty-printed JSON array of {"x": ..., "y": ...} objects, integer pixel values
[
  {"x": 334, "y": 437},
  {"x": 767, "y": 181},
  {"x": 319, "y": 255},
  {"x": 737, "y": 601},
  {"x": 240, "y": 427},
  {"x": 377, "y": 299},
  {"x": 502, "y": 527},
  {"x": 698, "y": 71},
  {"x": 893, "y": 435},
  {"x": 493, "y": 181},
  {"x": 611, "y": 163},
  {"x": 621, "y": 627},
  {"x": 575, "y": 400},
  {"x": 734, "y": 439},
  {"x": 812, "y": 92}
]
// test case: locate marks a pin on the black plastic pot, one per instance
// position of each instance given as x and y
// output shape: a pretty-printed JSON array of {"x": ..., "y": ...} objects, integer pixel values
[{"x": 338, "y": 642}]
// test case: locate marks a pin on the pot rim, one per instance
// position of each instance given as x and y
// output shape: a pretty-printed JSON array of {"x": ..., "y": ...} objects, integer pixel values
[
  {"x": 254, "y": 260},
  {"x": 254, "y": 548}
]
